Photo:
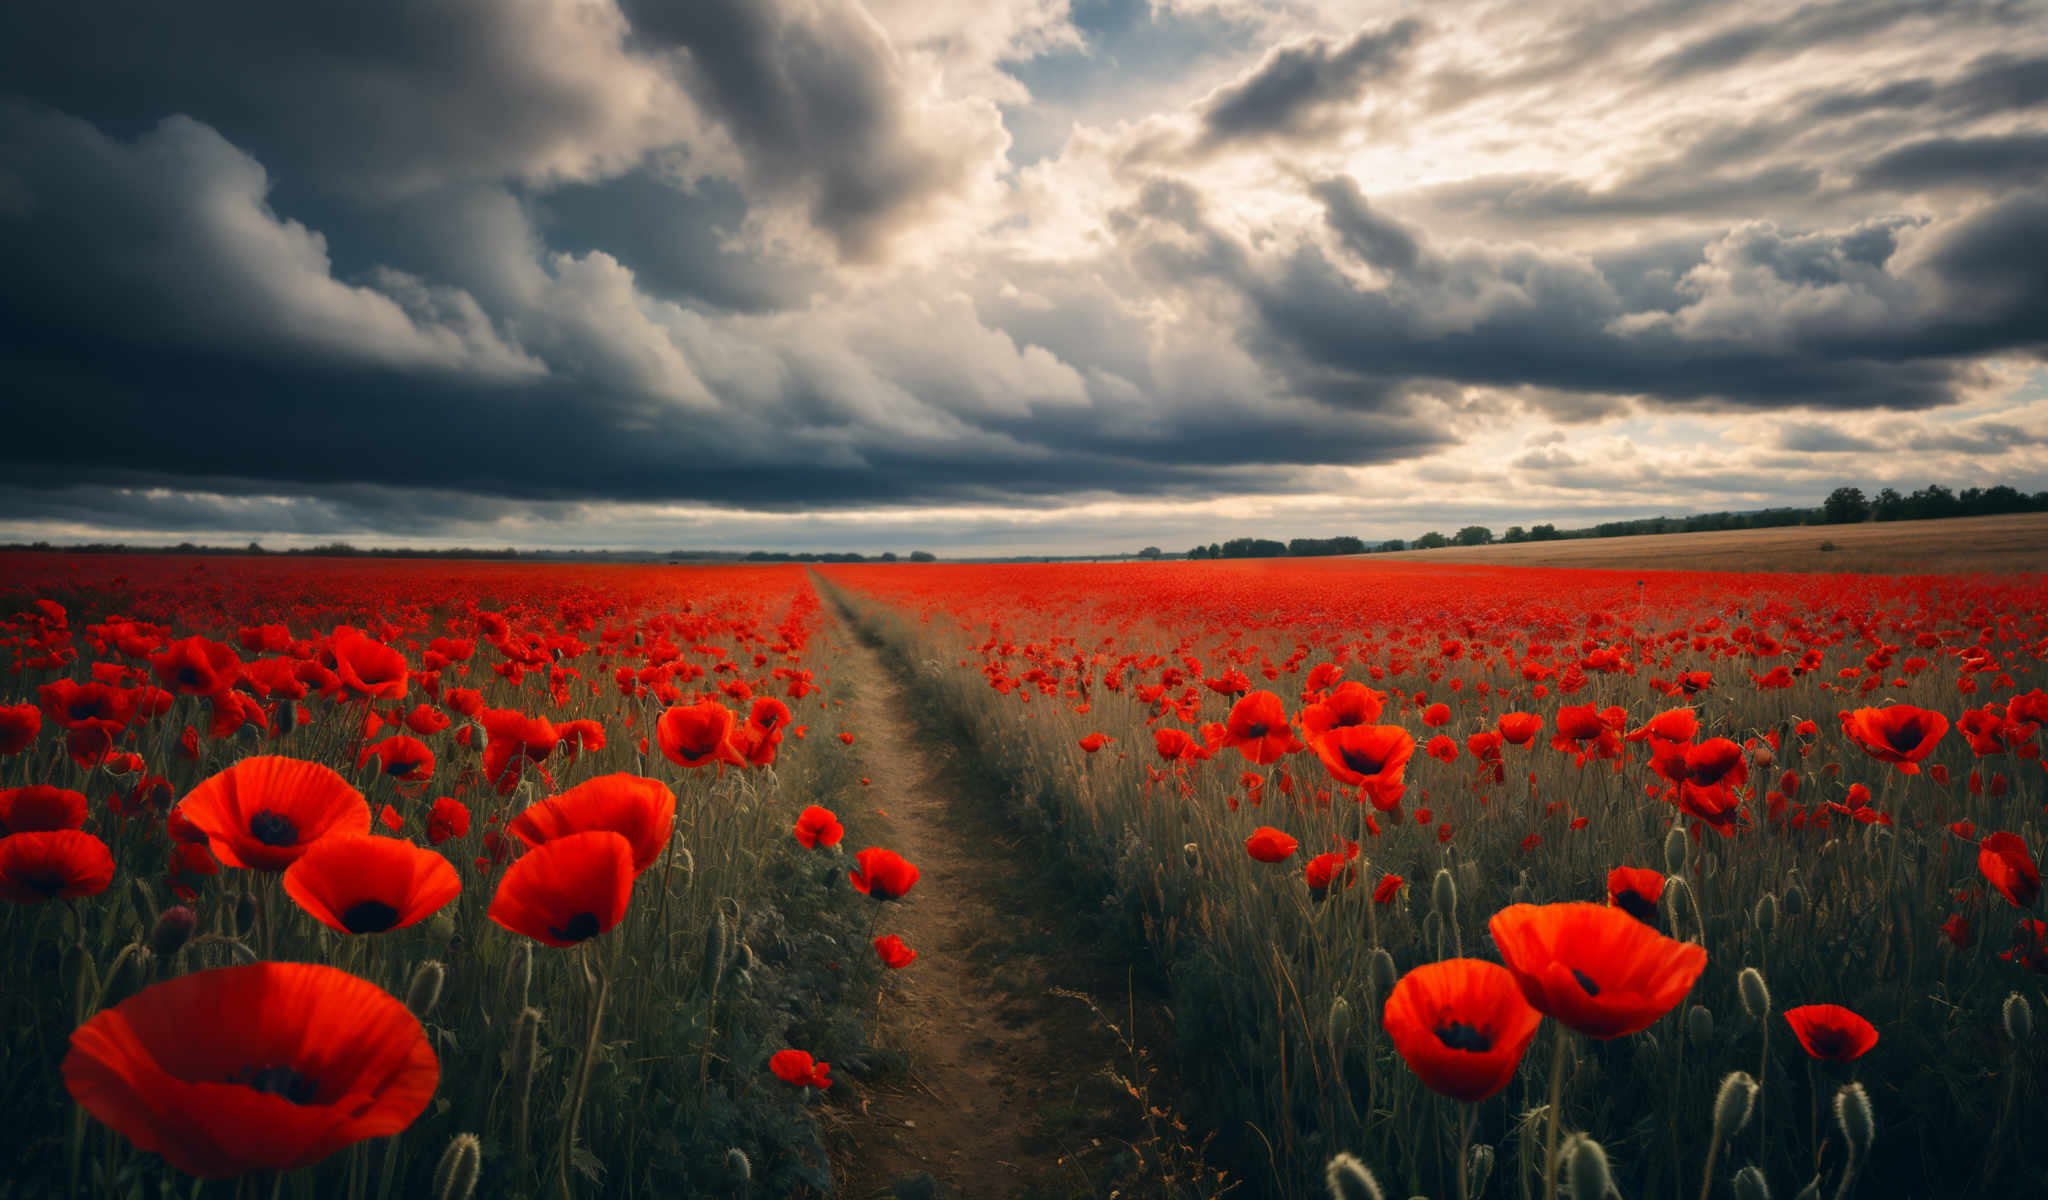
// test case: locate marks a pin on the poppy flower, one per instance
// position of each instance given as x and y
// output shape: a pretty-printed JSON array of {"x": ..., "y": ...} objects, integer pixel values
[
  {"x": 1462, "y": 1025},
  {"x": 1349, "y": 703},
  {"x": 19, "y": 724},
  {"x": 449, "y": 818},
  {"x": 1095, "y": 741},
  {"x": 264, "y": 812},
  {"x": 1370, "y": 756},
  {"x": 1325, "y": 870},
  {"x": 1675, "y": 725},
  {"x": 1269, "y": 845},
  {"x": 1258, "y": 728},
  {"x": 1388, "y": 889},
  {"x": 53, "y": 864},
  {"x": 1595, "y": 968},
  {"x": 893, "y": 952},
  {"x": 1831, "y": 1032},
  {"x": 1715, "y": 762},
  {"x": 797, "y": 1069},
  {"x": 40, "y": 807},
  {"x": 1436, "y": 714},
  {"x": 641, "y": 810},
  {"x": 512, "y": 738},
  {"x": 1635, "y": 891},
  {"x": 882, "y": 874},
  {"x": 817, "y": 827},
  {"x": 70, "y": 704},
  {"x": 695, "y": 734},
  {"x": 1898, "y": 733},
  {"x": 405, "y": 759},
  {"x": 369, "y": 668},
  {"x": 567, "y": 889},
  {"x": 265, "y": 1067},
  {"x": 361, "y": 884},
  {"x": 2029, "y": 946},
  {"x": 425, "y": 720},
  {"x": 197, "y": 666},
  {"x": 2007, "y": 865},
  {"x": 1519, "y": 728},
  {"x": 1442, "y": 748}
]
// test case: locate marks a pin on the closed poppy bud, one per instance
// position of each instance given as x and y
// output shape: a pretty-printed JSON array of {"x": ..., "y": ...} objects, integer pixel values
[
  {"x": 1756, "y": 995},
  {"x": 1443, "y": 892},
  {"x": 1749, "y": 1184},
  {"x": 1349, "y": 1179},
  {"x": 1478, "y": 1169},
  {"x": 1340, "y": 1021},
  {"x": 173, "y": 929},
  {"x": 425, "y": 991},
  {"x": 1191, "y": 854},
  {"x": 1732, "y": 1103},
  {"x": 1852, "y": 1113},
  {"x": 2019, "y": 1018},
  {"x": 1585, "y": 1166},
  {"x": 1699, "y": 1024},
  {"x": 1675, "y": 852},
  {"x": 1380, "y": 971},
  {"x": 1766, "y": 915},
  {"x": 455, "y": 1177},
  {"x": 738, "y": 1166},
  {"x": 1795, "y": 900}
]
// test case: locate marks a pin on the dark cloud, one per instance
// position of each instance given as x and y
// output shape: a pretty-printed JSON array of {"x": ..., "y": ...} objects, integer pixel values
[
  {"x": 1373, "y": 238},
  {"x": 1807, "y": 26},
  {"x": 1808, "y": 438},
  {"x": 1294, "y": 89},
  {"x": 2020, "y": 159}
]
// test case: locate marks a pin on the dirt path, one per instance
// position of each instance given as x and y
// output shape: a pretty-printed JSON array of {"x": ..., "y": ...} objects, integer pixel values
[{"x": 1005, "y": 1094}]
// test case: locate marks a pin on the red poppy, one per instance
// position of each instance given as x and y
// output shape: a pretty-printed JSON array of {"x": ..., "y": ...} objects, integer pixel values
[
  {"x": 797, "y": 1069},
  {"x": 2008, "y": 866},
  {"x": 574, "y": 737},
  {"x": 1462, "y": 1025},
  {"x": 1349, "y": 703},
  {"x": 425, "y": 720},
  {"x": 513, "y": 738},
  {"x": 1520, "y": 728},
  {"x": 1436, "y": 714},
  {"x": 1269, "y": 845},
  {"x": 361, "y": 884},
  {"x": 1258, "y": 728},
  {"x": 2029, "y": 945},
  {"x": 1442, "y": 748},
  {"x": 1831, "y": 1032},
  {"x": 405, "y": 759},
  {"x": 70, "y": 704},
  {"x": 1635, "y": 891},
  {"x": 53, "y": 864},
  {"x": 265, "y": 1067},
  {"x": 264, "y": 812},
  {"x": 568, "y": 889},
  {"x": 1095, "y": 741},
  {"x": 695, "y": 734},
  {"x": 641, "y": 810},
  {"x": 1370, "y": 756},
  {"x": 882, "y": 874},
  {"x": 19, "y": 724},
  {"x": 1716, "y": 762},
  {"x": 39, "y": 807},
  {"x": 1324, "y": 870},
  {"x": 1388, "y": 889},
  {"x": 1675, "y": 725},
  {"x": 1898, "y": 734},
  {"x": 369, "y": 668},
  {"x": 197, "y": 666},
  {"x": 449, "y": 818},
  {"x": 893, "y": 952},
  {"x": 817, "y": 827},
  {"x": 1595, "y": 968}
]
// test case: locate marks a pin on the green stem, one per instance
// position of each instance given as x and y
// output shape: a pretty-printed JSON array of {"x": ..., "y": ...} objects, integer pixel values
[
  {"x": 1557, "y": 1064},
  {"x": 582, "y": 1083}
]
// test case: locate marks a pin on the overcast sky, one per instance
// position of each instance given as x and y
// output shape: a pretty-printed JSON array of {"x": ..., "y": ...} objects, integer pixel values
[{"x": 1007, "y": 275}]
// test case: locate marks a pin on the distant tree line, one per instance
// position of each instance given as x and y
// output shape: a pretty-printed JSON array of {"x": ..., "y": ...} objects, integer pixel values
[
  {"x": 1844, "y": 506},
  {"x": 346, "y": 550}
]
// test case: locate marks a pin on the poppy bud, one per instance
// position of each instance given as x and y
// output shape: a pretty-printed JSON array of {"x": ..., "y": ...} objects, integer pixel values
[
  {"x": 1350, "y": 1179},
  {"x": 1433, "y": 931},
  {"x": 2019, "y": 1018},
  {"x": 1699, "y": 1025},
  {"x": 1795, "y": 899},
  {"x": 1443, "y": 892},
  {"x": 738, "y": 1166},
  {"x": 1191, "y": 854},
  {"x": 442, "y": 926},
  {"x": 1381, "y": 973},
  {"x": 1811, "y": 1191},
  {"x": 1763, "y": 756},
  {"x": 1478, "y": 1169},
  {"x": 245, "y": 913},
  {"x": 1756, "y": 995},
  {"x": 1586, "y": 1168},
  {"x": 1468, "y": 876},
  {"x": 1766, "y": 915},
  {"x": 1340, "y": 1021},
  {"x": 1732, "y": 1103},
  {"x": 132, "y": 974},
  {"x": 425, "y": 991},
  {"x": 1749, "y": 1185},
  {"x": 1852, "y": 1113},
  {"x": 1675, "y": 852},
  {"x": 173, "y": 929},
  {"x": 1678, "y": 899},
  {"x": 455, "y": 1177}
]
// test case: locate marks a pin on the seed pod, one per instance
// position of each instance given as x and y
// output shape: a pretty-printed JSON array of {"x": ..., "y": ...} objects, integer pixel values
[
  {"x": 1349, "y": 1179},
  {"x": 738, "y": 1166},
  {"x": 1675, "y": 852},
  {"x": 1443, "y": 893},
  {"x": 1795, "y": 899},
  {"x": 1585, "y": 1168},
  {"x": 1478, "y": 1169},
  {"x": 1756, "y": 995},
  {"x": 425, "y": 991},
  {"x": 1732, "y": 1103},
  {"x": 173, "y": 929},
  {"x": 1852, "y": 1113},
  {"x": 1340, "y": 1021},
  {"x": 1750, "y": 1185},
  {"x": 1381, "y": 972},
  {"x": 1766, "y": 914},
  {"x": 2018, "y": 1016},
  {"x": 461, "y": 1163},
  {"x": 1191, "y": 854},
  {"x": 442, "y": 926},
  {"x": 1699, "y": 1025}
]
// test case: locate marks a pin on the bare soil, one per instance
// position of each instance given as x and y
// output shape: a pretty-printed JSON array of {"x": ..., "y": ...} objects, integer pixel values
[
  {"x": 2016, "y": 542},
  {"x": 1005, "y": 1093}
]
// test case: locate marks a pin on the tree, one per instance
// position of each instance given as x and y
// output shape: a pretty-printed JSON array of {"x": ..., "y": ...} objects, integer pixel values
[
  {"x": 1199, "y": 552},
  {"x": 1475, "y": 535},
  {"x": 1515, "y": 533},
  {"x": 923, "y": 556},
  {"x": 1151, "y": 552},
  {"x": 1889, "y": 505},
  {"x": 1390, "y": 546},
  {"x": 1846, "y": 506},
  {"x": 1544, "y": 533},
  {"x": 1431, "y": 541}
]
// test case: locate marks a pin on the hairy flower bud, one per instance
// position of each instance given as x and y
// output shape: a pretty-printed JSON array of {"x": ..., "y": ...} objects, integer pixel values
[
  {"x": 1732, "y": 1102},
  {"x": 1756, "y": 995},
  {"x": 2018, "y": 1016},
  {"x": 1749, "y": 1184},
  {"x": 455, "y": 1177},
  {"x": 173, "y": 929},
  {"x": 1852, "y": 1113},
  {"x": 425, "y": 992},
  {"x": 1676, "y": 851},
  {"x": 1586, "y": 1170},
  {"x": 1699, "y": 1025},
  {"x": 1349, "y": 1179}
]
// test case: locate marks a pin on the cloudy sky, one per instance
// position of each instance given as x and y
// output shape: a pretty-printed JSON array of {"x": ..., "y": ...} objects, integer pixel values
[{"x": 1007, "y": 275}]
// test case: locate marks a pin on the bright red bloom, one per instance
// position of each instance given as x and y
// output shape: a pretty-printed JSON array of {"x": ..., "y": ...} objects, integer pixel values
[
  {"x": 405, "y": 759},
  {"x": 1436, "y": 714},
  {"x": 893, "y": 952},
  {"x": 1370, "y": 756},
  {"x": 695, "y": 734},
  {"x": 1095, "y": 741},
  {"x": 1269, "y": 845},
  {"x": 1325, "y": 870},
  {"x": 53, "y": 864},
  {"x": 197, "y": 666},
  {"x": 1461, "y": 1025},
  {"x": 362, "y": 884},
  {"x": 1176, "y": 744},
  {"x": 2008, "y": 866},
  {"x": 1898, "y": 734},
  {"x": 1387, "y": 889},
  {"x": 882, "y": 874},
  {"x": 266, "y": 1067},
  {"x": 19, "y": 724},
  {"x": 1349, "y": 703},
  {"x": 1675, "y": 725},
  {"x": 1258, "y": 728},
  {"x": 264, "y": 812},
  {"x": 71, "y": 704},
  {"x": 1635, "y": 891},
  {"x": 512, "y": 738},
  {"x": 40, "y": 807},
  {"x": 449, "y": 818},
  {"x": 1595, "y": 968},
  {"x": 568, "y": 889},
  {"x": 1520, "y": 728},
  {"x": 641, "y": 810},
  {"x": 1442, "y": 748},
  {"x": 797, "y": 1069},
  {"x": 1831, "y": 1032},
  {"x": 425, "y": 720},
  {"x": 817, "y": 827},
  {"x": 369, "y": 668}
]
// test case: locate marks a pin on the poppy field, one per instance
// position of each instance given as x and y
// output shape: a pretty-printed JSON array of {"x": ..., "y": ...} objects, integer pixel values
[
  {"x": 1467, "y": 880},
  {"x": 372, "y": 879}
]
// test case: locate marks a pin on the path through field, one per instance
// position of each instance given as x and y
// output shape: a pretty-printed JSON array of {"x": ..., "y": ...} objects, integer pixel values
[{"x": 1005, "y": 1094}]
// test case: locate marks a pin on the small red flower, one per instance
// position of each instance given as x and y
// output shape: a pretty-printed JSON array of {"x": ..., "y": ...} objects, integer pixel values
[
  {"x": 448, "y": 819},
  {"x": 641, "y": 810},
  {"x": 55, "y": 864},
  {"x": 362, "y": 884},
  {"x": 797, "y": 1069},
  {"x": 1461, "y": 1025},
  {"x": 1270, "y": 845},
  {"x": 1636, "y": 891},
  {"x": 1831, "y": 1032},
  {"x": 1095, "y": 741},
  {"x": 1387, "y": 889},
  {"x": 2008, "y": 866},
  {"x": 40, "y": 807},
  {"x": 893, "y": 952},
  {"x": 882, "y": 874},
  {"x": 817, "y": 827},
  {"x": 1899, "y": 734},
  {"x": 567, "y": 890},
  {"x": 264, "y": 812},
  {"x": 696, "y": 734}
]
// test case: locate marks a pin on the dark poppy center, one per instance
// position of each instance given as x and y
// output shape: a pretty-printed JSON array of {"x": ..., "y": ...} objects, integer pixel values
[
  {"x": 581, "y": 928},
  {"x": 400, "y": 767},
  {"x": 370, "y": 916},
  {"x": 1362, "y": 763},
  {"x": 1592, "y": 989},
  {"x": 1636, "y": 905},
  {"x": 49, "y": 883},
  {"x": 188, "y": 676},
  {"x": 85, "y": 710},
  {"x": 1257, "y": 729},
  {"x": 1828, "y": 1043},
  {"x": 1460, "y": 1036},
  {"x": 1904, "y": 737},
  {"x": 278, "y": 1081},
  {"x": 273, "y": 828}
]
